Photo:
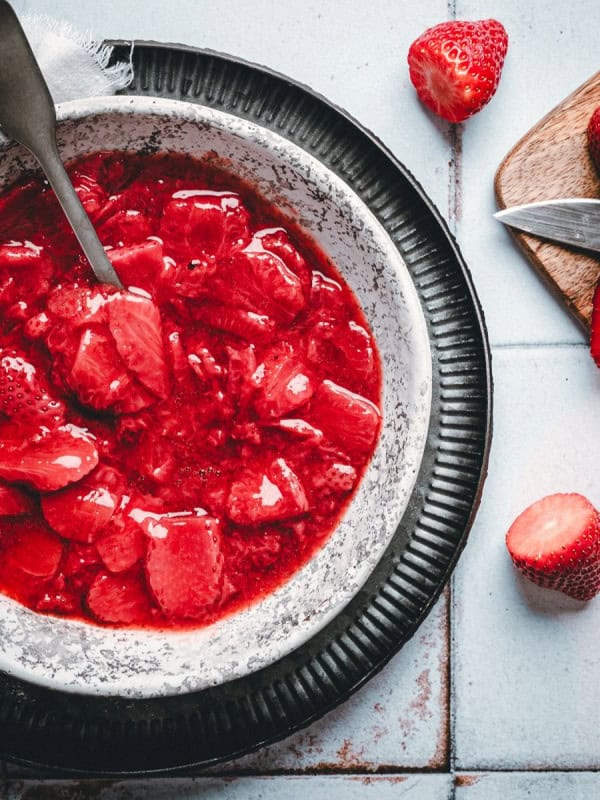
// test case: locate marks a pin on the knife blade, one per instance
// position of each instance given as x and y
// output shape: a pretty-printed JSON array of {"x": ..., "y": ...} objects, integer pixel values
[{"x": 573, "y": 221}]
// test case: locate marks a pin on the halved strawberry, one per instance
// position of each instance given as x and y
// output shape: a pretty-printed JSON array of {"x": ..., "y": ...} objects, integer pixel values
[
  {"x": 555, "y": 543},
  {"x": 46, "y": 459},
  {"x": 24, "y": 392},
  {"x": 118, "y": 598},
  {"x": 246, "y": 324},
  {"x": 80, "y": 512},
  {"x": 14, "y": 502},
  {"x": 139, "y": 265},
  {"x": 266, "y": 494},
  {"x": 184, "y": 563},
  {"x": 282, "y": 382},
  {"x": 595, "y": 330},
  {"x": 135, "y": 325},
  {"x": 121, "y": 546},
  {"x": 33, "y": 549},
  {"x": 199, "y": 221},
  {"x": 349, "y": 420}
]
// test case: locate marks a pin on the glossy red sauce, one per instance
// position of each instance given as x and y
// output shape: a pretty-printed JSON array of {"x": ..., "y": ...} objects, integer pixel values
[{"x": 171, "y": 453}]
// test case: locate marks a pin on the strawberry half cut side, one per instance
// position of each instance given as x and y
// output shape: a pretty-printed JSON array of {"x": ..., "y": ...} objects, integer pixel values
[{"x": 555, "y": 543}]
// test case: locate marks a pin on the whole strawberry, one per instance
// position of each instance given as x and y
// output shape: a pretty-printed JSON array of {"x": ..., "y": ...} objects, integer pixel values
[
  {"x": 593, "y": 137},
  {"x": 556, "y": 544},
  {"x": 455, "y": 66}
]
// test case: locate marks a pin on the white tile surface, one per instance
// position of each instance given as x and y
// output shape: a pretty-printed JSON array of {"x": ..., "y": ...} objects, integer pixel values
[
  {"x": 399, "y": 718},
  {"x": 424, "y": 787},
  {"x": 528, "y": 786},
  {"x": 526, "y": 661}
]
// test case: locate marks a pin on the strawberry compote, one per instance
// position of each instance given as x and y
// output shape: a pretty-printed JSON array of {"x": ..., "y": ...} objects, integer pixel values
[{"x": 171, "y": 452}]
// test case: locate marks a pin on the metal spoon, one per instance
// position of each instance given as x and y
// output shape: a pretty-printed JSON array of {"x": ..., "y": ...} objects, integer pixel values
[{"x": 27, "y": 114}]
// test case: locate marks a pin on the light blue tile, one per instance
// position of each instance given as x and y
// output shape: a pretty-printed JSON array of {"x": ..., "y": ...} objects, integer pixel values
[{"x": 528, "y": 786}]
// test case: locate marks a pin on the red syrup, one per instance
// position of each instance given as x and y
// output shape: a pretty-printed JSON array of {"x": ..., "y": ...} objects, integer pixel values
[{"x": 172, "y": 453}]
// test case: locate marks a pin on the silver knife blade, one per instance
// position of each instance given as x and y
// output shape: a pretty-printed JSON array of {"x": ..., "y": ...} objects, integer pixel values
[{"x": 572, "y": 221}]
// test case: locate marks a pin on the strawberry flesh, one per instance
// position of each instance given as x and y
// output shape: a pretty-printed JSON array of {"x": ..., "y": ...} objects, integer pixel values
[
  {"x": 455, "y": 66},
  {"x": 555, "y": 543},
  {"x": 282, "y": 382},
  {"x": 33, "y": 549},
  {"x": 595, "y": 329},
  {"x": 24, "y": 393},
  {"x": 80, "y": 512},
  {"x": 266, "y": 495},
  {"x": 349, "y": 420},
  {"x": 118, "y": 599},
  {"x": 14, "y": 502}
]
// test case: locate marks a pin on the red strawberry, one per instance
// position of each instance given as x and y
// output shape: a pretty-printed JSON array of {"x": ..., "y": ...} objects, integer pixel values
[
  {"x": 333, "y": 478},
  {"x": 184, "y": 563},
  {"x": 282, "y": 382},
  {"x": 264, "y": 495},
  {"x": 139, "y": 265},
  {"x": 349, "y": 420},
  {"x": 247, "y": 324},
  {"x": 595, "y": 330},
  {"x": 198, "y": 222},
  {"x": 33, "y": 549},
  {"x": 80, "y": 512},
  {"x": 128, "y": 225},
  {"x": 79, "y": 305},
  {"x": 455, "y": 66},
  {"x": 24, "y": 392},
  {"x": 120, "y": 547},
  {"x": 135, "y": 325},
  {"x": 118, "y": 598},
  {"x": 556, "y": 543},
  {"x": 14, "y": 502},
  {"x": 46, "y": 459},
  {"x": 593, "y": 137}
]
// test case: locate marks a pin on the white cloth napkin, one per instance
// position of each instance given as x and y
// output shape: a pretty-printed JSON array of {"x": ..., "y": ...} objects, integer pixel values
[{"x": 73, "y": 63}]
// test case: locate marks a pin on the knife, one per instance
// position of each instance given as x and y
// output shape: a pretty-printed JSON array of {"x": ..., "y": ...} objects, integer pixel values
[{"x": 569, "y": 221}]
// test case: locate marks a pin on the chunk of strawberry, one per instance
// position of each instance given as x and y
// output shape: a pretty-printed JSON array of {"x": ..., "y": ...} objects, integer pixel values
[
  {"x": 139, "y": 265},
  {"x": 246, "y": 324},
  {"x": 80, "y": 512},
  {"x": 46, "y": 459},
  {"x": 33, "y": 549},
  {"x": 282, "y": 381},
  {"x": 347, "y": 419},
  {"x": 184, "y": 562},
  {"x": 595, "y": 329},
  {"x": 120, "y": 547},
  {"x": 135, "y": 325},
  {"x": 92, "y": 196},
  {"x": 266, "y": 494},
  {"x": 118, "y": 598},
  {"x": 355, "y": 344},
  {"x": 556, "y": 544},
  {"x": 24, "y": 392},
  {"x": 14, "y": 502},
  {"x": 334, "y": 477},
  {"x": 26, "y": 270},
  {"x": 259, "y": 281},
  {"x": 79, "y": 305},
  {"x": 198, "y": 222},
  {"x": 241, "y": 367},
  {"x": 277, "y": 241},
  {"x": 126, "y": 226}
]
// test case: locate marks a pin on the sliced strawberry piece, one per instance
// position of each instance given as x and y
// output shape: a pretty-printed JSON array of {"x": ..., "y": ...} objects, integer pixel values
[
  {"x": 198, "y": 222},
  {"x": 34, "y": 549},
  {"x": 118, "y": 598},
  {"x": 14, "y": 502},
  {"x": 26, "y": 270},
  {"x": 93, "y": 197},
  {"x": 139, "y": 265},
  {"x": 356, "y": 345},
  {"x": 265, "y": 495},
  {"x": 555, "y": 543},
  {"x": 121, "y": 547},
  {"x": 81, "y": 511},
  {"x": 127, "y": 226},
  {"x": 24, "y": 393},
  {"x": 277, "y": 241},
  {"x": 283, "y": 384},
  {"x": 240, "y": 371},
  {"x": 349, "y": 420},
  {"x": 258, "y": 281},
  {"x": 80, "y": 305},
  {"x": 299, "y": 429},
  {"x": 57, "y": 598},
  {"x": 246, "y": 324},
  {"x": 20, "y": 256},
  {"x": 595, "y": 330},
  {"x": 184, "y": 563},
  {"x": 333, "y": 477},
  {"x": 135, "y": 325},
  {"x": 47, "y": 459}
]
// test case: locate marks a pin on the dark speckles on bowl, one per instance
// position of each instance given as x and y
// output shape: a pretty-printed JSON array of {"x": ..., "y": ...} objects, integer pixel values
[{"x": 426, "y": 477}]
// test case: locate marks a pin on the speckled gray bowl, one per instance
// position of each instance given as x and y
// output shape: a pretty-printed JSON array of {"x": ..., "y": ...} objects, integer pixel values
[{"x": 76, "y": 657}]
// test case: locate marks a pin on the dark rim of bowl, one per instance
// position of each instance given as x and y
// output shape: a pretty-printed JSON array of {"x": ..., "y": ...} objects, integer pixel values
[{"x": 81, "y": 734}]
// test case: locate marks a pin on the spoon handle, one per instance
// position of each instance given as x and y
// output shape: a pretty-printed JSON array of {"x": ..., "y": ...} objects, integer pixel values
[{"x": 27, "y": 115}]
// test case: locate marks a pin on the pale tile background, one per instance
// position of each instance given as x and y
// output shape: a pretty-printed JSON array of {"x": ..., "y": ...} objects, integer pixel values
[{"x": 523, "y": 664}]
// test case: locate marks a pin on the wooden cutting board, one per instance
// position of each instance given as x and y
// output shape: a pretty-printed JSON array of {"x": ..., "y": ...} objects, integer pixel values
[{"x": 549, "y": 162}]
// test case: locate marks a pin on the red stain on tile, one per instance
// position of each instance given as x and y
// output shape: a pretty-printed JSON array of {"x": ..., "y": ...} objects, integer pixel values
[
  {"x": 378, "y": 708},
  {"x": 306, "y": 744},
  {"x": 349, "y": 758},
  {"x": 466, "y": 780}
]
